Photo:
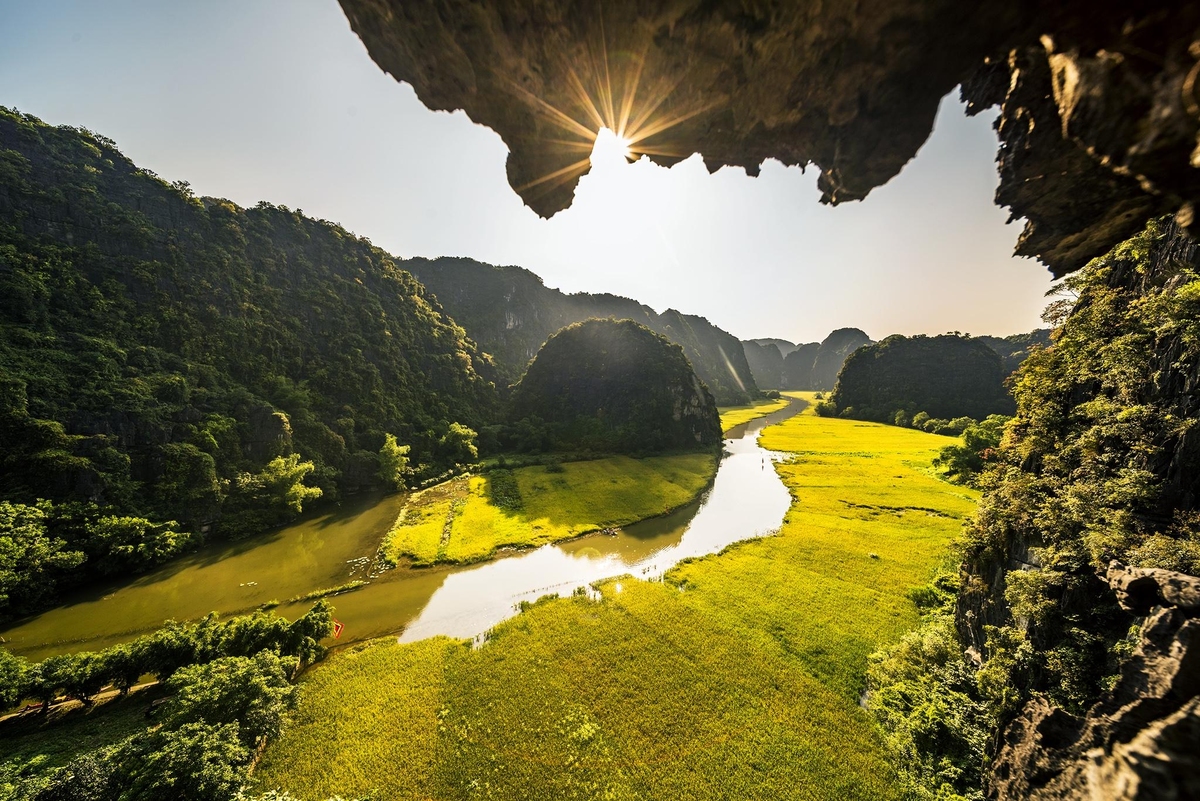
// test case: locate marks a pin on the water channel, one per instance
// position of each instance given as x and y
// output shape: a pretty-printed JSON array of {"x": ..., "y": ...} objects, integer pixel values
[{"x": 747, "y": 499}]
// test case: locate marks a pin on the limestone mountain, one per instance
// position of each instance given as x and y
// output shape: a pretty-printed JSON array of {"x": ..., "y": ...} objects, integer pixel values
[
  {"x": 158, "y": 349},
  {"x": 945, "y": 376},
  {"x": 615, "y": 385},
  {"x": 510, "y": 313},
  {"x": 766, "y": 363}
]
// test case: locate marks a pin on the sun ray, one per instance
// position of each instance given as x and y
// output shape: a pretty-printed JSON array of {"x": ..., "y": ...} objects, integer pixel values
[
  {"x": 630, "y": 93},
  {"x": 559, "y": 176}
]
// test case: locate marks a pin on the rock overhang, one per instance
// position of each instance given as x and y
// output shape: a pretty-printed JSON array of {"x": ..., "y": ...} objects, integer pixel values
[{"x": 1099, "y": 104}]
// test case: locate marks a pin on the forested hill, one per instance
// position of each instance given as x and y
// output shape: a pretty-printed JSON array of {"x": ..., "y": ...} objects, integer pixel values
[
  {"x": 183, "y": 358},
  {"x": 511, "y": 313}
]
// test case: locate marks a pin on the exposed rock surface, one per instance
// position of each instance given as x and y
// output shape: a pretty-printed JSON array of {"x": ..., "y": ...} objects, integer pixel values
[
  {"x": 832, "y": 354},
  {"x": 798, "y": 366},
  {"x": 766, "y": 364},
  {"x": 1140, "y": 740},
  {"x": 1100, "y": 103}
]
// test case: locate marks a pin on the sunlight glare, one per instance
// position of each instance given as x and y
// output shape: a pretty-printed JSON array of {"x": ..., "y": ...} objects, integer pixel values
[{"x": 610, "y": 149}]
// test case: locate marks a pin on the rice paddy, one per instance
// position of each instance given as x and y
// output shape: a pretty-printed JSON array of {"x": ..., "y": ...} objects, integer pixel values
[
  {"x": 738, "y": 676},
  {"x": 469, "y": 518},
  {"x": 734, "y": 416}
]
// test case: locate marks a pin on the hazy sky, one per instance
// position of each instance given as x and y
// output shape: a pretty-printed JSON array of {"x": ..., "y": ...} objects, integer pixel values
[{"x": 277, "y": 100}]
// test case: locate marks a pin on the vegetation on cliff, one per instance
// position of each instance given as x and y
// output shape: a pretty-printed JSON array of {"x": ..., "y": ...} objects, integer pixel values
[
  {"x": 615, "y": 386},
  {"x": 945, "y": 376},
  {"x": 1098, "y": 464},
  {"x": 168, "y": 361},
  {"x": 511, "y": 313}
]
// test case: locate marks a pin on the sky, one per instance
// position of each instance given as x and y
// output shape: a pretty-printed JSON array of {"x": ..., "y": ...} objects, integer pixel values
[{"x": 277, "y": 100}]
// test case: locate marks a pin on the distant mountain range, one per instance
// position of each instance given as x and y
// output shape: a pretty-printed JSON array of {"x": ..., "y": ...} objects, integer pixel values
[
  {"x": 509, "y": 313},
  {"x": 779, "y": 364}
]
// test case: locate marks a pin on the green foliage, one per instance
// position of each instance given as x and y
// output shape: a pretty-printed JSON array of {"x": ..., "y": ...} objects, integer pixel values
[
  {"x": 231, "y": 688},
  {"x": 922, "y": 691},
  {"x": 1094, "y": 467},
  {"x": 393, "y": 463},
  {"x": 616, "y": 386},
  {"x": 457, "y": 445},
  {"x": 949, "y": 376},
  {"x": 156, "y": 349},
  {"x": 195, "y": 762},
  {"x": 12, "y": 679},
  {"x": 30, "y": 559},
  {"x": 253, "y": 692},
  {"x": 964, "y": 462}
]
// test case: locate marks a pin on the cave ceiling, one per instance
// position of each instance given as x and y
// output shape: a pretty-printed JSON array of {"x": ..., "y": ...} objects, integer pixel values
[{"x": 1099, "y": 107}]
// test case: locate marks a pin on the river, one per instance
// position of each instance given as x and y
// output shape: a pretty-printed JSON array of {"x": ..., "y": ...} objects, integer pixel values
[{"x": 747, "y": 499}]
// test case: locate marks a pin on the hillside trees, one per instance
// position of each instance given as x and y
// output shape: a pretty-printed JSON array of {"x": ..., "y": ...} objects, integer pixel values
[
  {"x": 165, "y": 357},
  {"x": 612, "y": 386}
]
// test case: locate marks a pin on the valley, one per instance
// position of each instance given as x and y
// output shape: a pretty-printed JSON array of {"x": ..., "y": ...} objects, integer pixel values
[
  {"x": 746, "y": 665},
  {"x": 290, "y": 515}
]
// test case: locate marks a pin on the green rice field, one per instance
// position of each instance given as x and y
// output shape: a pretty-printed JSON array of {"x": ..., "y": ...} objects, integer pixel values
[
  {"x": 736, "y": 677},
  {"x": 469, "y": 518}
]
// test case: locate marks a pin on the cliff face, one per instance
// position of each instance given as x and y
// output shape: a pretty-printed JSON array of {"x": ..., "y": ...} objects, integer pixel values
[
  {"x": 1101, "y": 463},
  {"x": 510, "y": 313},
  {"x": 766, "y": 364},
  {"x": 1139, "y": 740},
  {"x": 832, "y": 354},
  {"x": 798, "y": 366},
  {"x": 614, "y": 385},
  {"x": 1099, "y": 102}
]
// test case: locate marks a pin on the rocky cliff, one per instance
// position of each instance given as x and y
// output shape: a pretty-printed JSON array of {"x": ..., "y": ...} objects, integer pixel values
[
  {"x": 766, "y": 364},
  {"x": 510, "y": 313},
  {"x": 1139, "y": 740},
  {"x": 1099, "y": 100}
]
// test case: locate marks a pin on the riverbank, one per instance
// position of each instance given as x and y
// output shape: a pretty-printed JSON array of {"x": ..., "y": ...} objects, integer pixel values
[
  {"x": 734, "y": 416},
  {"x": 737, "y": 676},
  {"x": 470, "y": 518}
]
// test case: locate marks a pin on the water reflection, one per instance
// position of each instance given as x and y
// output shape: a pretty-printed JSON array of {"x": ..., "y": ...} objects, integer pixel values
[{"x": 746, "y": 500}]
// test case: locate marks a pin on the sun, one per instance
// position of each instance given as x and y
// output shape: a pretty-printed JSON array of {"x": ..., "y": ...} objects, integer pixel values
[{"x": 610, "y": 148}]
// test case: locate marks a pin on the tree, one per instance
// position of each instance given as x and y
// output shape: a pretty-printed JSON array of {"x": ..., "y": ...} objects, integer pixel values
[
  {"x": 45, "y": 679},
  {"x": 393, "y": 463},
  {"x": 30, "y": 559},
  {"x": 253, "y": 692},
  {"x": 457, "y": 445},
  {"x": 965, "y": 461},
  {"x": 134, "y": 543},
  {"x": 12, "y": 679},
  {"x": 196, "y": 762}
]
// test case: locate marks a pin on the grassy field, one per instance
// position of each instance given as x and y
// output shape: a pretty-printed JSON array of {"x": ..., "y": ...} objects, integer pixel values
[
  {"x": 737, "y": 677},
  {"x": 733, "y": 416},
  {"x": 468, "y": 518}
]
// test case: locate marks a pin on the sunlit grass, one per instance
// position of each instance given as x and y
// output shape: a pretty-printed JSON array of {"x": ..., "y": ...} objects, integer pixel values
[
  {"x": 737, "y": 677},
  {"x": 733, "y": 416},
  {"x": 469, "y": 518}
]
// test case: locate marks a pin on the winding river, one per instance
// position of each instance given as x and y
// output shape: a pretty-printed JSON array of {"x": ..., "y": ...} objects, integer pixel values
[{"x": 747, "y": 499}]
